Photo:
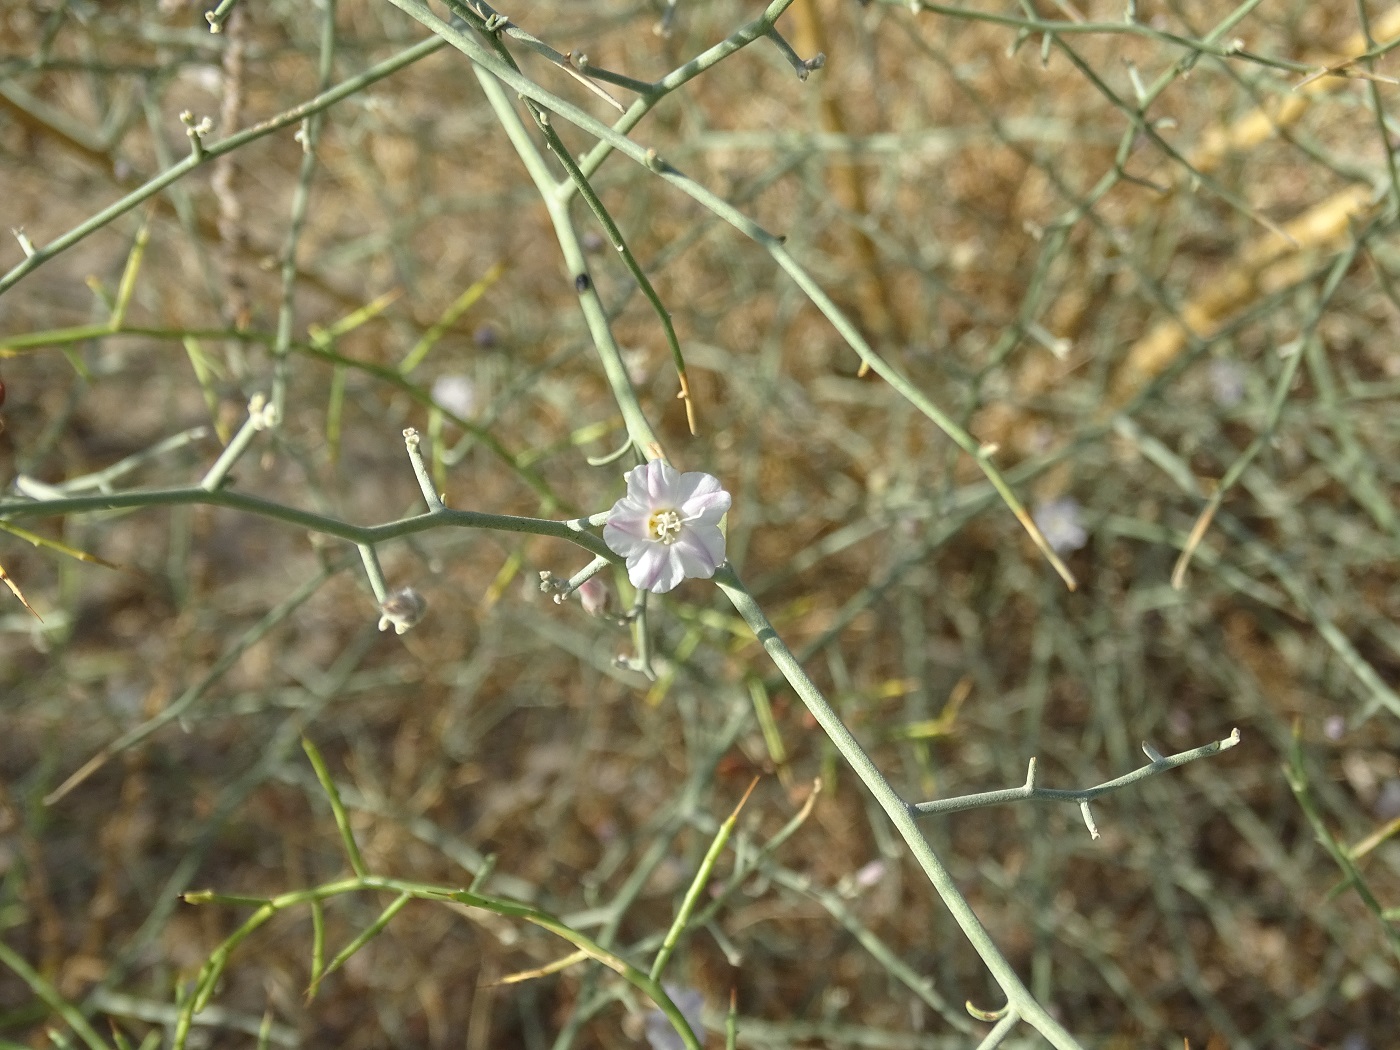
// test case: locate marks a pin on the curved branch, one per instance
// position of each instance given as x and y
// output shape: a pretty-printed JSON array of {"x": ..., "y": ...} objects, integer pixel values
[{"x": 359, "y": 534}]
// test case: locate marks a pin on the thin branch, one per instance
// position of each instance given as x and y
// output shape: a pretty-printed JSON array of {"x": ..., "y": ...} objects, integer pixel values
[
  {"x": 285, "y": 119},
  {"x": 1157, "y": 763}
]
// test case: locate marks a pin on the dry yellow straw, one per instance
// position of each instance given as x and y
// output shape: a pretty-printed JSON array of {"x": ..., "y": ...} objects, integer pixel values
[{"x": 1266, "y": 263}]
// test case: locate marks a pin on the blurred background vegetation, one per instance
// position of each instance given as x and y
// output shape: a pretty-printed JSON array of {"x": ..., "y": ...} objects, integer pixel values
[{"x": 1153, "y": 262}]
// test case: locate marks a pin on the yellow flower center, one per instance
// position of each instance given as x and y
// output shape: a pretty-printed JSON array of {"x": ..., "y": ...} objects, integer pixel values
[{"x": 664, "y": 525}]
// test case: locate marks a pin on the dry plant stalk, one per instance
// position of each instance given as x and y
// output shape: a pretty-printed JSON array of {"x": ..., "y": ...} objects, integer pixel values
[
  {"x": 872, "y": 297},
  {"x": 232, "y": 236},
  {"x": 1263, "y": 123},
  {"x": 1265, "y": 264},
  {"x": 1268, "y": 262}
]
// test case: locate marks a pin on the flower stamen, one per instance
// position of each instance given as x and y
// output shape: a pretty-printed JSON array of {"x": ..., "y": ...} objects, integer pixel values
[{"x": 665, "y": 525}]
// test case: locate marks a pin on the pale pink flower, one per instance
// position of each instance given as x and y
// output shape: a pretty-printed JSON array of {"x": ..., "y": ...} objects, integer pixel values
[
  {"x": 595, "y": 596},
  {"x": 871, "y": 874},
  {"x": 667, "y": 526}
]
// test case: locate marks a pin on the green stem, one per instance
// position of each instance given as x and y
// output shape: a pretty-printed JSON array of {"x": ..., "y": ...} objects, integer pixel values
[
  {"x": 359, "y": 534},
  {"x": 639, "y": 430},
  {"x": 735, "y": 41},
  {"x": 49, "y": 994},
  {"x": 897, "y": 810},
  {"x": 697, "y": 887},
  {"x": 470, "y": 46},
  {"x": 1063, "y": 27},
  {"x": 301, "y": 197},
  {"x": 292, "y": 116},
  {"x": 652, "y": 989},
  {"x": 342, "y": 819},
  {"x": 580, "y": 182}
]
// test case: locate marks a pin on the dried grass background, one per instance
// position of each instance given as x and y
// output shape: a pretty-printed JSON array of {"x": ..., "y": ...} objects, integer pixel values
[{"x": 941, "y": 183}]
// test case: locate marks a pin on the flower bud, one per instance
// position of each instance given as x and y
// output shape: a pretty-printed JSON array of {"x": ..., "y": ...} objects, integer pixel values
[{"x": 401, "y": 610}]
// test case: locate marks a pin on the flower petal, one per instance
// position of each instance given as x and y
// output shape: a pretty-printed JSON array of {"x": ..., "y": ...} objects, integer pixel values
[
  {"x": 651, "y": 484},
  {"x": 636, "y": 479},
  {"x": 708, "y": 508},
  {"x": 662, "y": 483},
  {"x": 630, "y": 517},
  {"x": 694, "y": 483},
  {"x": 700, "y": 550},
  {"x": 655, "y": 569},
  {"x": 625, "y": 541}
]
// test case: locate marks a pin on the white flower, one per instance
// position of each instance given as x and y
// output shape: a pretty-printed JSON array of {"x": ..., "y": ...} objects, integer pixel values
[
  {"x": 1226, "y": 383},
  {"x": 458, "y": 394},
  {"x": 667, "y": 526},
  {"x": 1060, "y": 522}
]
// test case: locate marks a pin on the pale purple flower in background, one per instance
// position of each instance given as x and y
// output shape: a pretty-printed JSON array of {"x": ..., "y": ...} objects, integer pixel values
[
  {"x": 1060, "y": 521},
  {"x": 863, "y": 878},
  {"x": 637, "y": 363},
  {"x": 458, "y": 394},
  {"x": 667, "y": 526},
  {"x": 660, "y": 1035},
  {"x": 1334, "y": 728},
  {"x": 870, "y": 874},
  {"x": 1226, "y": 383},
  {"x": 1042, "y": 439},
  {"x": 595, "y": 596},
  {"x": 1387, "y": 805}
]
